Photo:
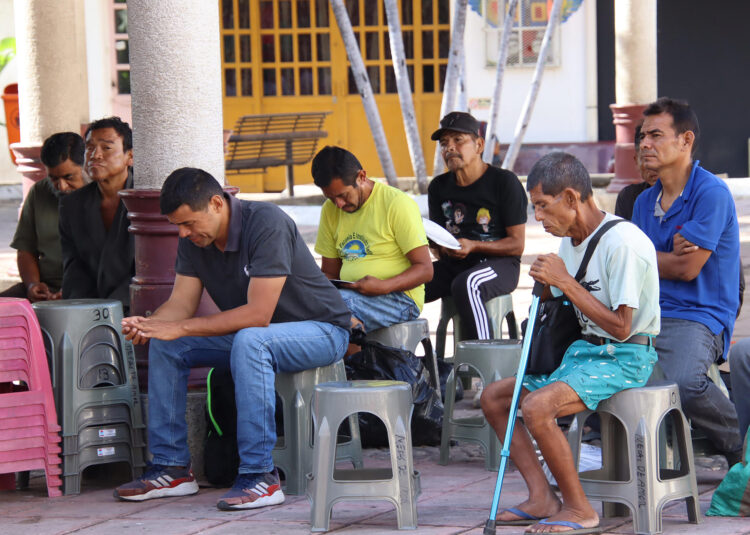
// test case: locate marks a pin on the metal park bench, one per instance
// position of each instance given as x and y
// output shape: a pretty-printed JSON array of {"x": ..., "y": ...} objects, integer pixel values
[{"x": 275, "y": 139}]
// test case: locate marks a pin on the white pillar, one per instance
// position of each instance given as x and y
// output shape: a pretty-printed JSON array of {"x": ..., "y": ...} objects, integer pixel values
[
  {"x": 635, "y": 81},
  {"x": 635, "y": 52},
  {"x": 175, "y": 69},
  {"x": 51, "y": 55}
]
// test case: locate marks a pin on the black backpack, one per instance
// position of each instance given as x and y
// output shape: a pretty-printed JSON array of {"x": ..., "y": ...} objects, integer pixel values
[{"x": 221, "y": 457}]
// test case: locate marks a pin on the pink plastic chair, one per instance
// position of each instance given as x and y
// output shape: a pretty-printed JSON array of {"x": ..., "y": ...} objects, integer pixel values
[{"x": 28, "y": 420}]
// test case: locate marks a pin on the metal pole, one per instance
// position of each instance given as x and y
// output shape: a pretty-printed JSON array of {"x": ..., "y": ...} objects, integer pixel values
[
  {"x": 452, "y": 72},
  {"x": 461, "y": 98},
  {"x": 289, "y": 168},
  {"x": 502, "y": 59},
  {"x": 528, "y": 106},
  {"x": 404, "y": 94},
  {"x": 489, "y": 527},
  {"x": 365, "y": 90}
]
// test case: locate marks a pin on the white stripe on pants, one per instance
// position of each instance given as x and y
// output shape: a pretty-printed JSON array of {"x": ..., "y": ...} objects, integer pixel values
[{"x": 473, "y": 282}]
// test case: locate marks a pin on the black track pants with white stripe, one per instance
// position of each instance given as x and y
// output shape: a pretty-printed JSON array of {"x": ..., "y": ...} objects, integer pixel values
[{"x": 471, "y": 286}]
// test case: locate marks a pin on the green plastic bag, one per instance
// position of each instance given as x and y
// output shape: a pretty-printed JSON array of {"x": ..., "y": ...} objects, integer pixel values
[{"x": 732, "y": 496}]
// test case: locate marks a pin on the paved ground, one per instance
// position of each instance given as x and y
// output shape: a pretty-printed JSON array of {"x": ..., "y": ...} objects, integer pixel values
[{"x": 455, "y": 498}]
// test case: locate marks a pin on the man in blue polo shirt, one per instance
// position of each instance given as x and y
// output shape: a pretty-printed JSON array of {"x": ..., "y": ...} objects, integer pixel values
[
  {"x": 278, "y": 313},
  {"x": 690, "y": 216}
]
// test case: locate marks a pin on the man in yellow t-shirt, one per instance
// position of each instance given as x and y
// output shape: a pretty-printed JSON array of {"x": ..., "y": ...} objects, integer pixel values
[{"x": 372, "y": 236}]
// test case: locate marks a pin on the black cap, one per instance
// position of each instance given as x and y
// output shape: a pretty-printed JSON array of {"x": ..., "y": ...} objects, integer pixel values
[{"x": 457, "y": 121}]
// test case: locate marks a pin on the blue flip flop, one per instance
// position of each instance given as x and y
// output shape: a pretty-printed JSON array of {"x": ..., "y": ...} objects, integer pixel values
[
  {"x": 525, "y": 519},
  {"x": 575, "y": 527}
]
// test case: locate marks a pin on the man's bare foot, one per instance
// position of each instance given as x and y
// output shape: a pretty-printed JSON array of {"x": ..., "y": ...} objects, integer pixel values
[
  {"x": 584, "y": 519},
  {"x": 537, "y": 509}
]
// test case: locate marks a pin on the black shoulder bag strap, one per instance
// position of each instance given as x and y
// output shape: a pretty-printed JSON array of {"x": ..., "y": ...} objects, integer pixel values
[{"x": 592, "y": 245}]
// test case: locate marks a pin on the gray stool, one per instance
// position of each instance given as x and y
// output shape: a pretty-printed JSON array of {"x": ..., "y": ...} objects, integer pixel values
[
  {"x": 408, "y": 335},
  {"x": 293, "y": 452},
  {"x": 498, "y": 309},
  {"x": 391, "y": 401},
  {"x": 631, "y": 472},
  {"x": 491, "y": 360},
  {"x": 95, "y": 383},
  {"x": 702, "y": 446}
]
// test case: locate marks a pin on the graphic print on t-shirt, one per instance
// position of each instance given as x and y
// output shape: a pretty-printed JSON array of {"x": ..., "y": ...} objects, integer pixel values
[
  {"x": 353, "y": 246},
  {"x": 483, "y": 218},
  {"x": 454, "y": 216}
]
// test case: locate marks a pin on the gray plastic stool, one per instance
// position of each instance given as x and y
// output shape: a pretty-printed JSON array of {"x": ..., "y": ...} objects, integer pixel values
[
  {"x": 491, "y": 360},
  {"x": 391, "y": 401},
  {"x": 293, "y": 452},
  {"x": 92, "y": 361},
  {"x": 702, "y": 446},
  {"x": 95, "y": 384},
  {"x": 498, "y": 309},
  {"x": 631, "y": 472},
  {"x": 408, "y": 335}
]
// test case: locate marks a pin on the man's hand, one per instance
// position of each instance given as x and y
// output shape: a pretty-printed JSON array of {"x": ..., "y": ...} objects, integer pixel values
[
  {"x": 681, "y": 246},
  {"x": 139, "y": 329},
  {"x": 370, "y": 286},
  {"x": 55, "y": 296},
  {"x": 549, "y": 269},
  {"x": 131, "y": 331},
  {"x": 38, "y": 291},
  {"x": 438, "y": 251},
  {"x": 467, "y": 247}
]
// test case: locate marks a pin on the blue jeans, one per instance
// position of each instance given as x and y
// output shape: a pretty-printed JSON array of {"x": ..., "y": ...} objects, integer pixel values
[
  {"x": 686, "y": 350},
  {"x": 739, "y": 364},
  {"x": 380, "y": 310},
  {"x": 255, "y": 355}
]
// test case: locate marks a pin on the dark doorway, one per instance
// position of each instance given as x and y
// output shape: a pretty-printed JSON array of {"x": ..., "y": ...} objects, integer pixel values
[{"x": 704, "y": 53}]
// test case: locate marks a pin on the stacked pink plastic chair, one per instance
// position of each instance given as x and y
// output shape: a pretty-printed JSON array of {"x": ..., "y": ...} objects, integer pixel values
[{"x": 29, "y": 433}]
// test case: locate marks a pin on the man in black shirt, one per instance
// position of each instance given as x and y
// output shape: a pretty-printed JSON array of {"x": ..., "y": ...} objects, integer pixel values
[
  {"x": 278, "y": 313},
  {"x": 101, "y": 264},
  {"x": 626, "y": 198},
  {"x": 484, "y": 207}
]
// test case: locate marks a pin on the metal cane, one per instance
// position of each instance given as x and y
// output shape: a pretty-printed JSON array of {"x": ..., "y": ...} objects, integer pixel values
[{"x": 489, "y": 527}]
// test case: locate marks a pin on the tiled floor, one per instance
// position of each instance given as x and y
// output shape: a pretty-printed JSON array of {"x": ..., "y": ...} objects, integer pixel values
[{"x": 455, "y": 498}]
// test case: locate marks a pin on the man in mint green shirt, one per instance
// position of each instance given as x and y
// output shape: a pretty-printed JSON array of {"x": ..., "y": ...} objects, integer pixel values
[{"x": 372, "y": 236}]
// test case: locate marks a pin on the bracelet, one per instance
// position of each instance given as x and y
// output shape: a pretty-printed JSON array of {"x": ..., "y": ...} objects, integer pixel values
[{"x": 30, "y": 285}]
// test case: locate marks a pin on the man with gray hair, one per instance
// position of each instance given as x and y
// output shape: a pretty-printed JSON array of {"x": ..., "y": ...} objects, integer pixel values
[{"x": 617, "y": 305}]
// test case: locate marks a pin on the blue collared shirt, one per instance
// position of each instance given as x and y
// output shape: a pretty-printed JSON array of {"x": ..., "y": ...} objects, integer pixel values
[{"x": 705, "y": 215}]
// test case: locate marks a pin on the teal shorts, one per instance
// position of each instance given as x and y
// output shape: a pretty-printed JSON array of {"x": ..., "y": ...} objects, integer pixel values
[{"x": 598, "y": 372}]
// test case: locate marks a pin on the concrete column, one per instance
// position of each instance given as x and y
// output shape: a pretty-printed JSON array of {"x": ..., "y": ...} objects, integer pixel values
[
  {"x": 175, "y": 69},
  {"x": 175, "y": 74},
  {"x": 52, "y": 79},
  {"x": 635, "y": 81}
]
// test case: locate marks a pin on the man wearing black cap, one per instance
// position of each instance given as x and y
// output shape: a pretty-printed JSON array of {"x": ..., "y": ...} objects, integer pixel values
[{"x": 484, "y": 207}]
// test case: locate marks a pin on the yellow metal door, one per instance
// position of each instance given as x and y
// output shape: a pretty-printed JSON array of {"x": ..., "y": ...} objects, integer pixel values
[{"x": 282, "y": 56}]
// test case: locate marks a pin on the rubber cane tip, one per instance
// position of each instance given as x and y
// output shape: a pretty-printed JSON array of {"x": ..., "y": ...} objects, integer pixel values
[{"x": 489, "y": 527}]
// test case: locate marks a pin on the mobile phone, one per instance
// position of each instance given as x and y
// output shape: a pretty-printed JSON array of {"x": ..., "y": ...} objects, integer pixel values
[{"x": 338, "y": 283}]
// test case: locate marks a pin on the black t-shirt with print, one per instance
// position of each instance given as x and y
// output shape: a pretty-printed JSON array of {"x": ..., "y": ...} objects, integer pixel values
[{"x": 480, "y": 211}]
